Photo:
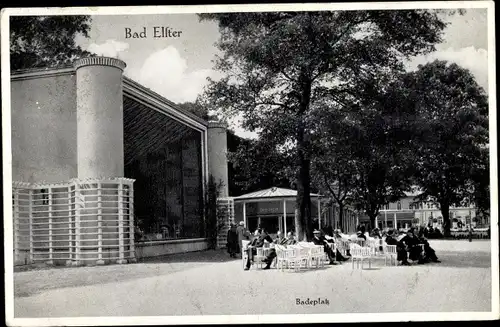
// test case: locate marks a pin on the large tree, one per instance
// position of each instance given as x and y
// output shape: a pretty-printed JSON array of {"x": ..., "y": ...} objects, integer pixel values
[
  {"x": 452, "y": 135},
  {"x": 249, "y": 174},
  {"x": 333, "y": 166},
  {"x": 46, "y": 41},
  {"x": 279, "y": 64},
  {"x": 195, "y": 108}
]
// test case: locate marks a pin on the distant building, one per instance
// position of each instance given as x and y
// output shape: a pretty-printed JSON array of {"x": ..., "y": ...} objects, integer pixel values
[{"x": 409, "y": 211}]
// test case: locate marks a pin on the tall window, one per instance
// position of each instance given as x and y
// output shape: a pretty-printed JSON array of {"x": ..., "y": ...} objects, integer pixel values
[
  {"x": 164, "y": 158},
  {"x": 399, "y": 205}
]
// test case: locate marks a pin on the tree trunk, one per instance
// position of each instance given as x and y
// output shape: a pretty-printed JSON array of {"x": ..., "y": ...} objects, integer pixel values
[
  {"x": 445, "y": 211},
  {"x": 341, "y": 216},
  {"x": 372, "y": 223},
  {"x": 303, "y": 222}
]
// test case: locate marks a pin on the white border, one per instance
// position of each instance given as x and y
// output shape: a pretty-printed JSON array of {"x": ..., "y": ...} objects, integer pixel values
[{"x": 239, "y": 319}]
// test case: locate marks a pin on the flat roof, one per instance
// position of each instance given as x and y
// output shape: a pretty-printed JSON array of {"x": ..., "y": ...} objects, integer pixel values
[{"x": 130, "y": 88}]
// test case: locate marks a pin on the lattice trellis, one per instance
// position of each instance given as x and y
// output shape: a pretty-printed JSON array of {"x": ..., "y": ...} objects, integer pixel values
[
  {"x": 78, "y": 222},
  {"x": 225, "y": 210}
]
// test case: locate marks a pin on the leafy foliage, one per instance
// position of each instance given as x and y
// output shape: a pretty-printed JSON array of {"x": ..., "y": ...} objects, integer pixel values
[
  {"x": 46, "y": 41},
  {"x": 258, "y": 167},
  {"x": 214, "y": 219},
  {"x": 333, "y": 170},
  {"x": 451, "y": 154},
  {"x": 280, "y": 65},
  {"x": 195, "y": 108}
]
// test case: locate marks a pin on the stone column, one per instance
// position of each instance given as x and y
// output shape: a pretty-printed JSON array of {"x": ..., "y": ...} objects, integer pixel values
[
  {"x": 217, "y": 155},
  {"x": 99, "y": 98}
]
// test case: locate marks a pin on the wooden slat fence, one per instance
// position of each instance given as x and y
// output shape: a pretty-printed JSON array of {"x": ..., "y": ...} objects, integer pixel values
[{"x": 78, "y": 222}]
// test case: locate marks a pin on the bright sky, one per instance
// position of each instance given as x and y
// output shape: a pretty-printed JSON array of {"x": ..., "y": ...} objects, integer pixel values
[{"x": 177, "y": 68}]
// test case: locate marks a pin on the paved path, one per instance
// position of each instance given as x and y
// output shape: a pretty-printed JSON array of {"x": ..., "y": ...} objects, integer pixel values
[{"x": 462, "y": 282}]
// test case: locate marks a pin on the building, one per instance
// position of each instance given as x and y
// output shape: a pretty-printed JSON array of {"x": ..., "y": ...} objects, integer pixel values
[
  {"x": 410, "y": 211},
  {"x": 274, "y": 209},
  {"x": 94, "y": 154}
]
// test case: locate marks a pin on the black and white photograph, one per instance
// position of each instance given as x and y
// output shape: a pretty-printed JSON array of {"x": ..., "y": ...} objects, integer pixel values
[{"x": 271, "y": 163}]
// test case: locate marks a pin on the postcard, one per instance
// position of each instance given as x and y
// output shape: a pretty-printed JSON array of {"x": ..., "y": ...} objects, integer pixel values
[{"x": 273, "y": 163}]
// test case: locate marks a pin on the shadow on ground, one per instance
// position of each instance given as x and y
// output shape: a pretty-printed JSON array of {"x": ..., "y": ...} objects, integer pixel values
[
  {"x": 208, "y": 256},
  {"x": 464, "y": 260}
]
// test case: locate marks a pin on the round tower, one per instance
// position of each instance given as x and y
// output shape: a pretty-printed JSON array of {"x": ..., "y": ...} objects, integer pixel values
[
  {"x": 217, "y": 155},
  {"x": 99, "y": 97}
]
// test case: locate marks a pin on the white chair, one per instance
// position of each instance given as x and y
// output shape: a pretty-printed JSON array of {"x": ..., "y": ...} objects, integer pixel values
[
  {"x": 390, "y": 252},
  {"x": 287, "y": 257},
  {"x": 297, "y": 257},
  {"x": 342, "y": 246},
  {"x": 360, "y": 254},
  {"x": 244, "y": 252},
  {"x": 281, "y": 258},
  {"x": 316, "y": 254},
  {"x": 262, "y": 254},
  {"x": 319, "y": 256},
  {"x": 375, "y": 245}
]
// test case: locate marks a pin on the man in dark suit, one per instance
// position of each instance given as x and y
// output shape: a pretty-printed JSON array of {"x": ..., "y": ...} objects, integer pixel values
[
  {"x": 258, "y": 242},
  {"x": 430, "y": 254},
  {"x": 400, "y": 248},
  {"x": 413, "y": 247},
  {"x": 232, "y": 241},
  {"x": 320, "y": 240}
]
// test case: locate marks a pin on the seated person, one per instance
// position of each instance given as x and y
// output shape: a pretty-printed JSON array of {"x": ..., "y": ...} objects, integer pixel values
[
  {"x": 375, "y": 233},
  {"x": 412, "y": 244},
  {"x": 430, "y": 254},
  {"x": 361, "y": 235},
  {"x": 338, "y": 234},
  {"x": 361, "y": 229},
  {"x": 290, "y": 239},
  {"x": 333, "y": 240},
  {"x": 353, "y": 237},
  {"x": 390, "y": 239},
  {"x": 328, "y": 230},
  {"x": 320, "y": 240},
  {"x": 258, "y": 242},
  {"x": 278, "y": 238},
  {"x": 251, "y": 245},
  {"x": 340, "y": 237}
]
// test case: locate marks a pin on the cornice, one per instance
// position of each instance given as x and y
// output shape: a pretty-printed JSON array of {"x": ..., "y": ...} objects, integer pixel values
[
  {"x": 217, "y": 124},
  {"x": 40, "y": 73},
  {"x": 100, "y": 61}
]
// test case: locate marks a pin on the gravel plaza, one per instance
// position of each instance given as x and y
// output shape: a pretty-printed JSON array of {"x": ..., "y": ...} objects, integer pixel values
[{"x": 209, "y": 282}]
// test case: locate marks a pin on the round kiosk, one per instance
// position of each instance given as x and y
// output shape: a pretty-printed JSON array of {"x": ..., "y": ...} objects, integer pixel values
[{"x": 273, "y": 209}]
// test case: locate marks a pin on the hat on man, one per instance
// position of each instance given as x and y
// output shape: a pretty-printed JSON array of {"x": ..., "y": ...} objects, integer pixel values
[
  {"x": 316, "y": 231},
  {"x": 242, "y": 223},
  {"x": 390, "y": 232}
]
